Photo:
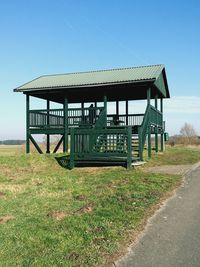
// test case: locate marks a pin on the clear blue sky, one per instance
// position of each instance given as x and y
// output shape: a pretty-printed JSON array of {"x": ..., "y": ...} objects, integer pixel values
[{"x": 46, "y": 37}]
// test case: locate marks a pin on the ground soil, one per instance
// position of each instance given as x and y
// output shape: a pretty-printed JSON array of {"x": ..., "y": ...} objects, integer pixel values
[{"x": 5, "y": 219}]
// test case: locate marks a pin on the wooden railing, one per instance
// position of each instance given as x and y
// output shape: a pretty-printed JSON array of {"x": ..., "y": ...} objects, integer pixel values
[
  {"x": 101, "y": 144},
  {"x": 55, "y": 117},
  {"x": 128, "y": 120},
  {"x": 45, "y": 118},
  {"x": 83, "y": 116},
  {"x": 152, "y": 117}
]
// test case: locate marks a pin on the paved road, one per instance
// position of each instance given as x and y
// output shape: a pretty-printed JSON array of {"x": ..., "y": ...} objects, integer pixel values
[{"x": 172, "y": 238}]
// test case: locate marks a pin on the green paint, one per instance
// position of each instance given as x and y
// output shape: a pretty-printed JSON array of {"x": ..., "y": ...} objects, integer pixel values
[
  {"x": 27, "y": 124},
  {"x": 65, "y": 139}
]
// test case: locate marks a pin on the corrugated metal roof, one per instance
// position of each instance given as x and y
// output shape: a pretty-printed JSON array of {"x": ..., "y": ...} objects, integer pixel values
[{"x": 94, "y": 78}]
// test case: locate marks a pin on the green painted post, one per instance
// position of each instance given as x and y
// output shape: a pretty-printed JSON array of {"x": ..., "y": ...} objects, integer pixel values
[
  {"x": 126, "y": 112},
  {"x": 149, "y": 141},
  {"x": 72, "y": 140},
  {"x": 27, "y": 124},
  {"x": 65, "y": 139},
  {"x": 149, "y": 96},
  {"x": 105, "y": 107},
  {"x": 129, "y": 154},
  {"x": 117, "y": 108},
  {"x": 156, "y": 130},
  {"x": 48, "y": 121},
  {"x": 105, "y": 103},
  {"x": 162, "y": 135},
  {"x": 140, "y": 143},
  {"x": 149, "y": 126}
]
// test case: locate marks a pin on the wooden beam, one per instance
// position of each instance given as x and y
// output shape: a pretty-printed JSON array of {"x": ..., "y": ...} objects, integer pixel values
[
  {"x": 27, "y": 124},
  {"x": 35, "y": 144},
  {"x": 58, "y": 145}
]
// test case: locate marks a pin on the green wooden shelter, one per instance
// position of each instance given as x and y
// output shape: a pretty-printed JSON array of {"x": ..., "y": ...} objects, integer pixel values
[{"x": 94, "y": 135}]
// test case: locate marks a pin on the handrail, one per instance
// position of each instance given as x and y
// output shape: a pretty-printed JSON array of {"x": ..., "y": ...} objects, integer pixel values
[
  {"x": 44, "y": 110},
  {"x": 101, "y": 122},
  {"x": 133, "y": 119},
  {"x": 152, "y": 117}
]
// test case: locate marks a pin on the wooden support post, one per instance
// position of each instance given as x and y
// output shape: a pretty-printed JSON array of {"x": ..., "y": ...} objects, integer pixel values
[
  {"x": 162, "y": 131},
  {"x": 72, "y": 140},
  {"x": 148, "y": 96},
  {"x": 140, "y": 143},
  {"x": 95, "y": 104},
  {"x": 27, "y": 124},
  {"x": 156, "y": 129},
  {"x": 105, "y": 103},
  {"x": 117, "y": 108},
  {"x": 65, "y": 136},
  {"x": 149, "y": 142},
  {"x": 149, "y": 126},
  {"x": 82, "y": 111},
  {"x": 129, "y": 154},
  {"x": 48, "y": 121},
  {"x": 126, "y": 112}
]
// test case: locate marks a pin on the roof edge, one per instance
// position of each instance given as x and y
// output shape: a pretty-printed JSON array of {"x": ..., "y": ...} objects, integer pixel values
[{"x": 82, "y": 86}]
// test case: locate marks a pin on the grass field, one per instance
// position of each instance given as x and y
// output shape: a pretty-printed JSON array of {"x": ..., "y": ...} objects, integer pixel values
[{"x": 50, "y": 216}]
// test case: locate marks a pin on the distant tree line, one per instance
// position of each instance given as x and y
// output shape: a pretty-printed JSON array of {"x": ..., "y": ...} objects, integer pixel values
[{"x": 12, "y": 142}]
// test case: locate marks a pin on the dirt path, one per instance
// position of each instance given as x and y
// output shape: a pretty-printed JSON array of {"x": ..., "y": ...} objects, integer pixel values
[{"x": 169, "y": 169}]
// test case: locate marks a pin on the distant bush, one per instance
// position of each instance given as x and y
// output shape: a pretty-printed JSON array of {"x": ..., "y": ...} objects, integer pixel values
[{"x": 187, "y": 136}]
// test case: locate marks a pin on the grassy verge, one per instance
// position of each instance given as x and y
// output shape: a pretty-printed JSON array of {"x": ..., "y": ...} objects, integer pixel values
[
  {"x": 178, "y": 155},
  {"x": 53, "y": 217}
]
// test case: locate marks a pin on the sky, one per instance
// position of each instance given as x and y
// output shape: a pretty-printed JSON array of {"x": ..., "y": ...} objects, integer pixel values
[{"x": 40, "y": 37}]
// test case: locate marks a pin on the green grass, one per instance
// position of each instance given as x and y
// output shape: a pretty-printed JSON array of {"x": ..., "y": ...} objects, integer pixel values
[
  {"x": 178, "y": 155},
  {"x": 100, "y": 207}
]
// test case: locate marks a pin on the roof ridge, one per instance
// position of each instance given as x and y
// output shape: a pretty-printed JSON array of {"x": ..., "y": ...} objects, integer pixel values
[{"x": 102, "y": 70}]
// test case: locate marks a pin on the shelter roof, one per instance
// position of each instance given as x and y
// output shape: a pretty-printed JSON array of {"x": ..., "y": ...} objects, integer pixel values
[{"x": 132, "y": 78}]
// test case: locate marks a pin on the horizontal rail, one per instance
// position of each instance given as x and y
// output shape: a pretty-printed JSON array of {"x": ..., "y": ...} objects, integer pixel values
[
  {"x": 132, "y": 119},
  {"x": 55, "y": 117},
  {"x": 45, "y": 118}
]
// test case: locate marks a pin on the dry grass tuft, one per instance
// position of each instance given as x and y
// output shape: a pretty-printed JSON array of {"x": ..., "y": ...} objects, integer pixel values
[
  {"x": 57, "y": 215},
  {"x": 7, "y": 218}
]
